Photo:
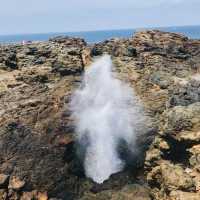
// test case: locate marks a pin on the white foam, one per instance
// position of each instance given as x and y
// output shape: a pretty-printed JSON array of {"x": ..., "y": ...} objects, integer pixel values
[{"x": 105, "y": 110}]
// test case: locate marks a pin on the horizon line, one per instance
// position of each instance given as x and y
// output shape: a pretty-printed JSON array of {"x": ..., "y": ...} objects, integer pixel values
[{"x": 100, "y": 30}]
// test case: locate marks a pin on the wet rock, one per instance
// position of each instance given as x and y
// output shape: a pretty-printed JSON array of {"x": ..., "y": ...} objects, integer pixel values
[
  {"x": 96, "y": 51},
  {"x": 192, "y": 136},
  {"x": 133, "y": 192},
  {"x": 130, "y": 192},
  {"x": 172, "y": 43}
]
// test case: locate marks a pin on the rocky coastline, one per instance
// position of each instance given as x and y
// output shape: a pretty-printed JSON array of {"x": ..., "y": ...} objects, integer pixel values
[{"x": 37, "y": 147}]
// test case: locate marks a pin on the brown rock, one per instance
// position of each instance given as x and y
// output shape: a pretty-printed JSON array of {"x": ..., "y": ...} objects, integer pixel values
[
  {"x": 13, "y": 195},
  {"x": 86, "y": 57},
  {"x": 36, "y": 82},
  {"x": 190, "y": 136},
  {"x": 28, "y": 195},
  {"x": 16, "y": 183},
  {"x": 152, "y": 156},
  {"x": 195, "y": 158},
  {"x": 34, "y": 195},
  {"x": 3, "y": 180},
  {"x": 174, "y": 177},
  {"x": 171, "y": 177},
  {"x": 180, "y": 195},
  {"x": 42, "y": 196},
  {"x": 3, "y": 194},
  {"x": 130, "y": 192}
]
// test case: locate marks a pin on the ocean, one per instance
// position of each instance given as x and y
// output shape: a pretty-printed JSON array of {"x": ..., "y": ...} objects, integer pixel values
[{"x": 98, "y": 36}]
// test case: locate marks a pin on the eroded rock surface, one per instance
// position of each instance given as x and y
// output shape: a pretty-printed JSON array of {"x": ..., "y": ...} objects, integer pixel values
[{"x": 37, "y": 147}]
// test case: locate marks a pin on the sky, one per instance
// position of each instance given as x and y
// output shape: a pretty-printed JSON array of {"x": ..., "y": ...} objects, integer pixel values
[{"x": 42, "y": 16}]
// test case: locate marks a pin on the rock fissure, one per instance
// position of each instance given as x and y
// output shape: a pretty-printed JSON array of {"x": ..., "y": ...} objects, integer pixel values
[{"x": 38, "y": 153}]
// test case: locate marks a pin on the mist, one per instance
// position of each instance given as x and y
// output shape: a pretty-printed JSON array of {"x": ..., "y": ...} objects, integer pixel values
[{"x": 106, "y": 111}]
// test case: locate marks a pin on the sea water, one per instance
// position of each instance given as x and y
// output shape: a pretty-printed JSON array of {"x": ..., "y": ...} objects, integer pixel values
[{"x": 98, "y": 36}]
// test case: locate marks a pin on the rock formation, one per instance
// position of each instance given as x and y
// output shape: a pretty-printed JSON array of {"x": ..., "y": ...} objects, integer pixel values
[{"x": 37, "y": 148}]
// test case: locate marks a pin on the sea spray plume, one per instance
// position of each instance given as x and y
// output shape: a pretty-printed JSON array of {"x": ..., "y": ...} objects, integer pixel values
[{"x": 105, "y": 111}]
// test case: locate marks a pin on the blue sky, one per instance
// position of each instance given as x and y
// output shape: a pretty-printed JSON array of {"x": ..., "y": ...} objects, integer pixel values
[{"x": 40, "y": 16}]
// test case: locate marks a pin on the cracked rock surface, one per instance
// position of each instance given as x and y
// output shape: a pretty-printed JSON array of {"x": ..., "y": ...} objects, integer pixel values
[{"x": 37, "y": 149}]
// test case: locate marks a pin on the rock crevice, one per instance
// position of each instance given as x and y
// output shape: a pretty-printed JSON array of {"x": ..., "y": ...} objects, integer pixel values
[{"x": 37, "y": 149}]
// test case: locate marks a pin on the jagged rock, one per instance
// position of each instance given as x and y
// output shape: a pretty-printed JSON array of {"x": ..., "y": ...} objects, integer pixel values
[
  {"x": 152, "y": 156},
  {"x": 180, "y": 195},
  {"x": 172, "y": 177},
  {"x": 170, "y": 43},
  {"x": 86, "y": 58},
  {"x": 161, "y": 144},
  {"x": 192, "y": 136},
  {"x": 60, "y": 67},
  {"x": 37, "y": 132},
  {"x": 181, "y": 118},
  {"x": 130, "y": 192}
]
